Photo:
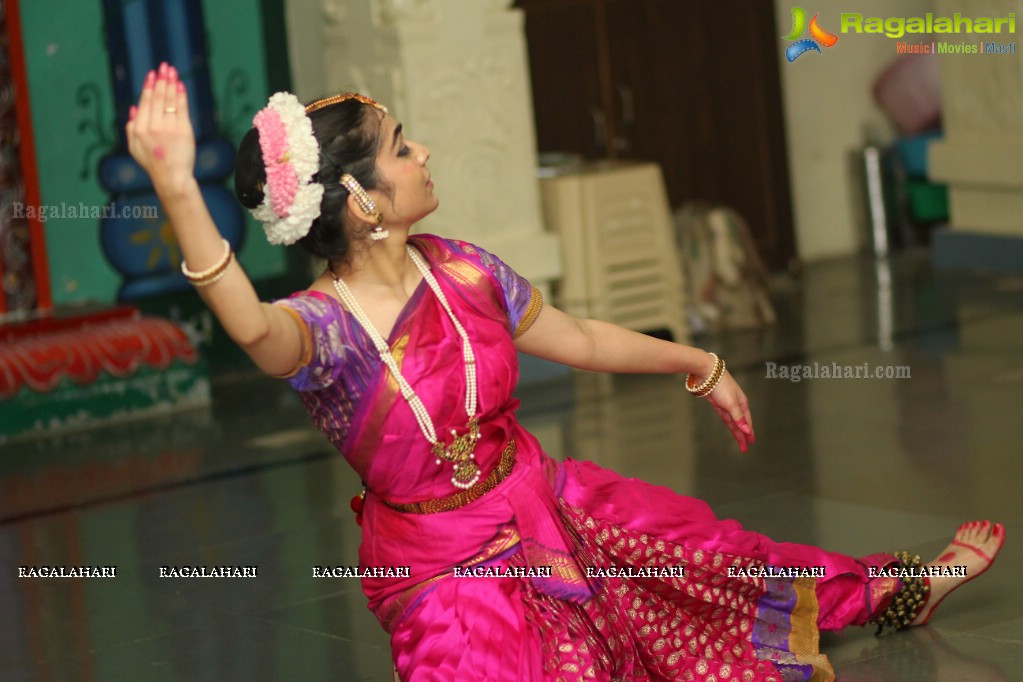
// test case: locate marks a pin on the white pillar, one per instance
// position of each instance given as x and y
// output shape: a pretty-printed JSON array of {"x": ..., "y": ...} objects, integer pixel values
[{"x": 455, "y": 74}]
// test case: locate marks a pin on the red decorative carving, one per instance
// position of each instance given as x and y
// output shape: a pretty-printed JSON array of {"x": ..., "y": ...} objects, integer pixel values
[{"x": 80, "y": 349}]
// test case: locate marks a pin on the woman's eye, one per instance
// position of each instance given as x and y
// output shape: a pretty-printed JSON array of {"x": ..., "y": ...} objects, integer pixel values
[{"x": 405, "y": 150}]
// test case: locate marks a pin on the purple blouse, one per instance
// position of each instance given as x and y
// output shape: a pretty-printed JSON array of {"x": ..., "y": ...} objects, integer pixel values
[{"x": 343, "y": 359}]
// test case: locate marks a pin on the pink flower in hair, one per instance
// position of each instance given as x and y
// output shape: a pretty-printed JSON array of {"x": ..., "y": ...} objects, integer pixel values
[{"x": 291, "y": 201}]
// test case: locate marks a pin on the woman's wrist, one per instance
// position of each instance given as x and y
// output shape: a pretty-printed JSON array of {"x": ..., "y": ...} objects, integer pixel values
[
  {"x": 701, "y": 364},
  {"x": 710, "y": 363},
  {"x": 704, "y": 384},
  {"x": 177, "y": 190}
]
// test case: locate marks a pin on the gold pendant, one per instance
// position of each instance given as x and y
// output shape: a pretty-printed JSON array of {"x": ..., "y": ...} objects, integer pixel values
[
  {"x": 460, "y": 453},
  {"x": 466, "y": 474}
]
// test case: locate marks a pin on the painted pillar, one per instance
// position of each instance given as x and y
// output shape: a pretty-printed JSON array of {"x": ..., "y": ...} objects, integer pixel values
[
  {"x": 24, "y": 273},
  {"x": 141, "y": 246}
]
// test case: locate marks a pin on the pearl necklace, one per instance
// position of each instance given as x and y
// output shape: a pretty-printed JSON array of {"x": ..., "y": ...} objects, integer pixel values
[{"x": 460, "y": 451}]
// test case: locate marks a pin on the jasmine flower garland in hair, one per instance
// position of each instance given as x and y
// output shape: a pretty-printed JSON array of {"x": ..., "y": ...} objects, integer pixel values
[{"x": 291, "y": 201}]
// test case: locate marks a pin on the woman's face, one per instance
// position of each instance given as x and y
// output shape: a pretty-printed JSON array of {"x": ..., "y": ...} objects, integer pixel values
[{"x": 406, "y": 192}]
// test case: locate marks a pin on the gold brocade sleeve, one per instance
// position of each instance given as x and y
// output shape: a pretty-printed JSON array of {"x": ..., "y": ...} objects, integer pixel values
[
  {"x": 307, "y": 344},
  {"x": 535, "y": 304}
]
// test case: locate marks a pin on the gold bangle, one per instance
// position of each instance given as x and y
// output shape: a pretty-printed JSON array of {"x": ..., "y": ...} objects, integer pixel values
[
  {"x": 211, "y": 274},
  {"x": 710, "y": 383},
  {"x": 216, "y": 277}
]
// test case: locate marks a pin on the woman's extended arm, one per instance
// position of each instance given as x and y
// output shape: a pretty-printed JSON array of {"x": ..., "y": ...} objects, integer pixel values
[
  {"x": 161, "y": 140},
  {"x": 604, "y": 347}
]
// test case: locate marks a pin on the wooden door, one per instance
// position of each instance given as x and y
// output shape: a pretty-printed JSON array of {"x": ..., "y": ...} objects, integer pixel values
[
  {"x": 693, "y": 85},
  {"x": 568, "y": 38}
]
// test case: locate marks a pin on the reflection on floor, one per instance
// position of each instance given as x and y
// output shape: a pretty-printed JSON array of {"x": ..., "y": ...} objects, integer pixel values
[{"x": 853, "y": 465}]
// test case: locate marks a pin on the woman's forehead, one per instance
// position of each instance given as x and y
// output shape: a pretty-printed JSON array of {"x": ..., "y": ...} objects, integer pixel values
[
  {"x": 388, "y": 124},
  {"x": 390, "y": 132}
]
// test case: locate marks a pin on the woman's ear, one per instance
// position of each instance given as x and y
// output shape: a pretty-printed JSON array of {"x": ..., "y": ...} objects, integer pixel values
[
  {"x": 359, "y": 203},
  {"x": 357, "y": 211},
  {"x": 353, "y": 208}
]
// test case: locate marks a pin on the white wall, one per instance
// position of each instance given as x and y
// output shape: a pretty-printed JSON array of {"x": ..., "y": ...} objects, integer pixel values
[
  {"x": 305, "y": 19},
  {"x": 829, "y": 110}
]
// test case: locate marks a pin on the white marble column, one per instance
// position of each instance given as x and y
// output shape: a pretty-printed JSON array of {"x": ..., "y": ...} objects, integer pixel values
[
  {"x": 981, "y": 155},
  {"x": 455, "y": 74}
]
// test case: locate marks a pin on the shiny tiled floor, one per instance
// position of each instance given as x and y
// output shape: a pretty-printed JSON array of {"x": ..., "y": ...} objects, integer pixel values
[{"x": 854, "y": 465}]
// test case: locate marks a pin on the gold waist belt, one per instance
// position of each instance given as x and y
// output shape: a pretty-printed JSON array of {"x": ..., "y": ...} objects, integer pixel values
[{"x": 460, "y": 499}]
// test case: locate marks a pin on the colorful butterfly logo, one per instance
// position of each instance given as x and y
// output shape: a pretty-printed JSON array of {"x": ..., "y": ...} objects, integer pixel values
[{"x": 818, "y": 36}]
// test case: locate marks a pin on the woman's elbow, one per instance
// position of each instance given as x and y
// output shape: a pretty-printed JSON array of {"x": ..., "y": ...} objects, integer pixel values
[{"x": 251, "y": 336}]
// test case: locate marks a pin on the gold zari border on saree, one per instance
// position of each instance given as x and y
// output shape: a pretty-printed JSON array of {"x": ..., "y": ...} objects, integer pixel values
[{"x": 535, "y": 304}]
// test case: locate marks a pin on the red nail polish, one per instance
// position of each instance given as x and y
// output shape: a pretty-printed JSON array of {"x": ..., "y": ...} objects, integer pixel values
[
  {"x": 150, "y": 79},
  {"x": 181, "y": 86},
  {"x": 132, "y": 112}
]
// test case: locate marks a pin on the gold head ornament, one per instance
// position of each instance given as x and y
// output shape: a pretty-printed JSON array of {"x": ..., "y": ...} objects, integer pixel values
[{"x": 343, "y": 97}]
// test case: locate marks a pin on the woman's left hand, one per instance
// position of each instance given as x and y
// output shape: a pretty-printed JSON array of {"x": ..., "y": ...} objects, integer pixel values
[{"x": 730, "y": 403}]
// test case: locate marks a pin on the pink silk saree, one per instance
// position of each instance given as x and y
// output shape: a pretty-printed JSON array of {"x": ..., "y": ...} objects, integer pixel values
[{"x": 699, "y": 610}]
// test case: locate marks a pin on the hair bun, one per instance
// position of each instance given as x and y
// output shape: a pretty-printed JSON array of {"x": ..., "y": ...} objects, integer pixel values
[{"x": 249, "y": 172}]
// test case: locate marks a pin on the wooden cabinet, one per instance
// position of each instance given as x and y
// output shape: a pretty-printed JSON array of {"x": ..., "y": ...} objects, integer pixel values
[{"x": 692, "y": 85}]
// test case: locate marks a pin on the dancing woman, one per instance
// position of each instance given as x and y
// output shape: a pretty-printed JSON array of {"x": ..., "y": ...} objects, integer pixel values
[{"x": 404, "y": 353}]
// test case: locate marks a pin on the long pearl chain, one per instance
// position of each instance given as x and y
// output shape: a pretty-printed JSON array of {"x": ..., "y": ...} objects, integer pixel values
[{"x": 460, "y": 451}]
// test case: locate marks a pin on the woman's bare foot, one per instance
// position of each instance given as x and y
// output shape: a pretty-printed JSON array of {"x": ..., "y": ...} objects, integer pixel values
[{"x": 973, "y": 548}]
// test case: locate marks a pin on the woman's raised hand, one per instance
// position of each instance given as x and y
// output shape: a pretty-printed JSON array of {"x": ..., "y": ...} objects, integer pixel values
[
  {"x": 160, "y": 136},
  {"x": 161, "y": 140}
]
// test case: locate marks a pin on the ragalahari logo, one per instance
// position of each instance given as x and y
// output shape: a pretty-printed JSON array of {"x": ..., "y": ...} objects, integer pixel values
[{"x": 818, "y": 36}]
